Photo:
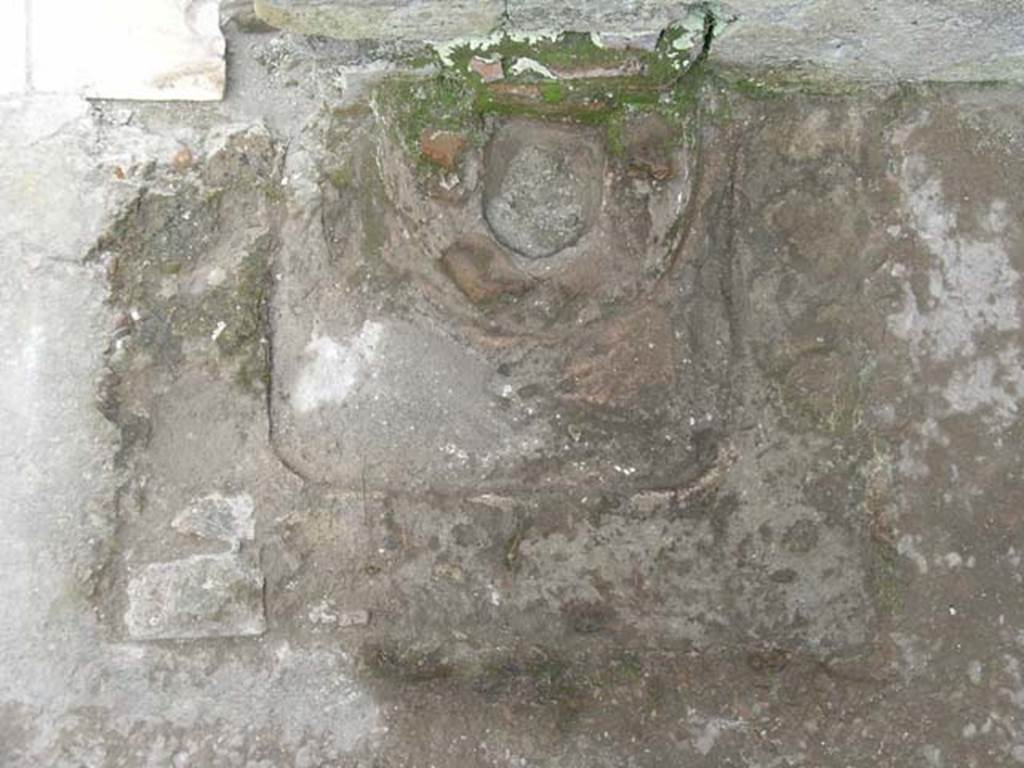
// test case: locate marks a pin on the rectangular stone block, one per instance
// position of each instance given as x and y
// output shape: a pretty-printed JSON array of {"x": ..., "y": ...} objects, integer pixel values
[
  {"x": 161, "y": 50},
  {"x": 427, "y": 20},
  {"x": 606, "y": 17},
  {"x": 197, "y": 597}
]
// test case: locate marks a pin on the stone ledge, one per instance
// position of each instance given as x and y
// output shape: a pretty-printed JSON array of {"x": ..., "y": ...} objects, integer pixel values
[{"x": 427, "y": 20}]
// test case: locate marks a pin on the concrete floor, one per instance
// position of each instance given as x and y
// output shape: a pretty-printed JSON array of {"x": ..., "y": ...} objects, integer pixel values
[{"x": 72, "y": 693}]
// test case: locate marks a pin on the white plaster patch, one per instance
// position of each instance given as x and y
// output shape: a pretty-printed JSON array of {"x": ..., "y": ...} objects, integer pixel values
[
  {"x": 323, "y": 613},
  {"x": 980, "y": 385},
  {"x": 953, "y": 560},
  {"x": 127, "y": 49},
  {"x": 708, "y": 737},
  {"x": 334, "y": 369},
  {"x": 973, "y": 289},
  {"x": 216, "y": 276},
  {"x": 532, "y": 66},
  {"x": 974, "y": 671},
  {"x": 907, "y": 546},
  {"x": 446, "y": 49}
]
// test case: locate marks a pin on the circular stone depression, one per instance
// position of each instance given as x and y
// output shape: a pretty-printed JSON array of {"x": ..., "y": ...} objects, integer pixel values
[{"x": 542, "y": 187}]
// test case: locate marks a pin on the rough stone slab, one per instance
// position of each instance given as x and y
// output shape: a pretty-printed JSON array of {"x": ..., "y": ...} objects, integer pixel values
[
  {"x": 616, "y": 19},
  {"x": 896, "y": 40},
  {"x": 219, "y": 518},
  {"x": 12, "y": 48},
  {"x": 200, "y": 596},
  {"x": 434, "y": 20},
  {"x": 164, "y": 50}
]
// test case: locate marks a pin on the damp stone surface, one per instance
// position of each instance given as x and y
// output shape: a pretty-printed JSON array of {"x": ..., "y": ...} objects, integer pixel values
[{"x": 641, "y": 396}]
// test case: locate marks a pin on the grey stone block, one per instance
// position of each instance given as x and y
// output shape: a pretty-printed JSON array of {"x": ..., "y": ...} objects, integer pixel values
[
  {"x": 197, "y": 597},
  {"x": 875, "y": 42},
  {"x": 638, "y": 18},
  {"x": 218, "y": 518},
  {"x": 428, "y": 20}
]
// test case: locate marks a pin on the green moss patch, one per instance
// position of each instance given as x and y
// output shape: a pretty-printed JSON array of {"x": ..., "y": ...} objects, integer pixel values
[{"x": 593, "y": 86}]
